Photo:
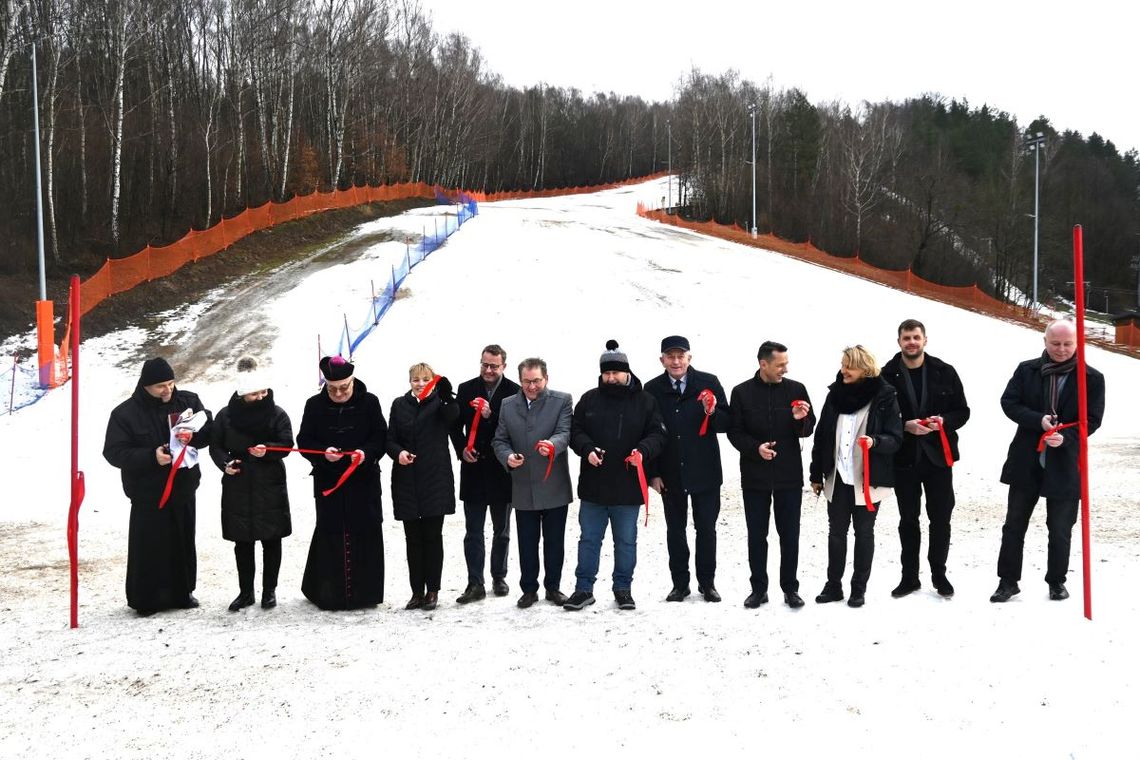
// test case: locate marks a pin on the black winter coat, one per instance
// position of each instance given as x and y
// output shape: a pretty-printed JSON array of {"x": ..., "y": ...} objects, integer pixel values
[
  {"x": 617, "y": 419},
  {"x": 426, "y": 487},
  {"x": 135, "y": 429},
  {"x": 689, "y": 462},
  {"x": 942, "y": 395},
  {"x": 762, "y": 412},
  {"x": 1024, "y": 402},
  {"x": 484, "y": 481},
  {"x": 255, "y": 501},
  {"x": 884, "y": 425}
]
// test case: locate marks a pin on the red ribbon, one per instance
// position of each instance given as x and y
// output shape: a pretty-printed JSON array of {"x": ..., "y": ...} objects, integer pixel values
[
  {"x": 429, "y": 387},
  {"x": 636, "y": 460},
  {"x": 1050, "y": 431},
  {"x": 477, "y": 405},
  {"x": 949, "y": 455},
  {"x": 549, "y": 458},
  {"x": 170, "y": 478},
  {"x": 865, "y": 444},
  {"x": 355, "y": 457},
  {"x": 703, "y": 396}
]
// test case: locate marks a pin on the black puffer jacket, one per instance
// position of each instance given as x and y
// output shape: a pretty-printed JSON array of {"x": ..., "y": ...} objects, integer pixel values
[
  {"x": 255, "y": 501},
  {"x": 425, "y": 488},
  {"x": 484, "y": 481},
  {"x": 884, "y": 425},
  {"x": 762, "y": 412},
  {"x": 617, "y": 419},
  {"x": 942, "y": 396}
]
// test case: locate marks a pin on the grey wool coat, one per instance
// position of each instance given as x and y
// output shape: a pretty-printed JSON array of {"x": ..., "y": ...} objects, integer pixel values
[{"x": 519, "y": 431}]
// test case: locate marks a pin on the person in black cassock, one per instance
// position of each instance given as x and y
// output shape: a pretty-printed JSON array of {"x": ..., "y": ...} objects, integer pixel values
[
  {"x": 255, "y": 500},
  {"x": 145, "y": 436},
  {"x": 345, "y": 567}
]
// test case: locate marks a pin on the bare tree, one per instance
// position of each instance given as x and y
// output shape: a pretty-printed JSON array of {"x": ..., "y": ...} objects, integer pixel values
[{"x": 871, "y": 142}]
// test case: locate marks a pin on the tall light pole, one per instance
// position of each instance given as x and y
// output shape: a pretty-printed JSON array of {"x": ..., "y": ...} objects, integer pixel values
[
  {"x": 1035, "y": 144},
  {"x": 45, "y": 318},
  {"x": 669, "y": 158},
  {"x": 752, "y": 113}
]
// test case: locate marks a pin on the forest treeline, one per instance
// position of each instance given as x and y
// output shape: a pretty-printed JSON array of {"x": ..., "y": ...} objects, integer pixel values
[{"x": 160, "y": 115}]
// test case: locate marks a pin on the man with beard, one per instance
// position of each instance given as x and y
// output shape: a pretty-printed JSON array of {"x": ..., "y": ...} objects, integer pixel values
[
  {"x": 158, "y": 428},
  {"x": 930, "y": 397},
  {"x": 1041, "y": 398},
  {"x": 484, "y": 486},
  {"x": 614, "y": 422}
]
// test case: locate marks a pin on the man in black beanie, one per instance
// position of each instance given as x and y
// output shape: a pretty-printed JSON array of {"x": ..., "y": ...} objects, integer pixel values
[{"x": 160, "y": 426}]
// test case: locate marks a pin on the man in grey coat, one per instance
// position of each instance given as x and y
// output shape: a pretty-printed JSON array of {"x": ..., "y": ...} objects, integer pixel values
[{"x": 531, "y": 441}]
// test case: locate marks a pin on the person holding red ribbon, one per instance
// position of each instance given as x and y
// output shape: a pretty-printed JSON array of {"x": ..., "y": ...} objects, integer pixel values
[
  {"x": 162, "y": 562},
  {"x": 484, "y": 486},
  {"x": 933, "y": 406},
  {"x": 694, "y": 409},
  {"x": 530, "y": 443},
  {"x": 343, "y": 434},
  {"x": 616, "y": 429},
  {"x": 1041, "y": 397},
  {"x": 423, "y": 483},
  {"x": 859, "y": 431}
]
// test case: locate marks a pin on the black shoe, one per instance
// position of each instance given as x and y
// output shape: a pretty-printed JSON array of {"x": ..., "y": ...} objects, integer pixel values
[
  {"x": 906, "y": 586},
  {"x": 415, "y": 603},
  {"x": 556, "y": 596},
  {"x": 830, "y": 594},
  {"x": 709, "y": 592},
  {"x": 474, "y": 593},
  {"x": 145, "y": 612},
  {"x": 793, "y": 600},
  {"x": 244, "y": 599},
  {"x": 527, "y": 599},
  {"x": 578, "y": 600},
  {"x": 624, "y": 600},
  {"x": 431, "y": 600},
  {"x": 678, "y": 594},
  {"x": 942, "y": 586},
  {"x": 500, "y": 587},
  {"x": 856, "y": 599},
  {"x": 1005, "y": 592},
  {"x": 189, "y": 603},
  {"x": 268, "y": 599},
  {"x": 1057, "y": 592},
  {"x": 755, "y": 599}
]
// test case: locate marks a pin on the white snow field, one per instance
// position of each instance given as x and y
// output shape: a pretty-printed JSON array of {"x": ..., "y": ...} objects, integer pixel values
[{"x": 914, "y": 677}]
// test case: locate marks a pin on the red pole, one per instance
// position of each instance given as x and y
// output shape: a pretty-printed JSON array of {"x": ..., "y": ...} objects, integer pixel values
[
  {"x": 77, "y": 488},
  {"x": 1083, "y": 408}
]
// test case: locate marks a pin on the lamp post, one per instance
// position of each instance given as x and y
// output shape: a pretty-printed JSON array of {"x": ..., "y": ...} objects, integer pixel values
[
  {"x": 45, "y": 320},
  {"x": 752, "y": 113},
  {"x": 669, "y": 159},
  {"x": 1035, "y": 144}
]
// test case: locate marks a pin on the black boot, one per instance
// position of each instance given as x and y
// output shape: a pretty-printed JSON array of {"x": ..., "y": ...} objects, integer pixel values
[
  {"x": 244, "y": 599},
  {"x": 268, "y": 598}
]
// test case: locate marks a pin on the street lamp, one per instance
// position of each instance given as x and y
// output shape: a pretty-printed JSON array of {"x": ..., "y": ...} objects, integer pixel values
[
  {"x": 1035, "y": 144},
  {"x": 752, "y": 113},
  {"x": 669, "y": 158}
]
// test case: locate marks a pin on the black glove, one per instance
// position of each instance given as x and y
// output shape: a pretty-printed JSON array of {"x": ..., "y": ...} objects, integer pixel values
[{"x": 443, "y": 388}]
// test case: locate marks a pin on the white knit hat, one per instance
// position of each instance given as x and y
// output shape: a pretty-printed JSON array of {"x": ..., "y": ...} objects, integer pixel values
[{"x": 249, "y": 378}]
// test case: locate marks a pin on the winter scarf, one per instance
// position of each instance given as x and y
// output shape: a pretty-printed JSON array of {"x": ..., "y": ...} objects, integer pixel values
[
  {"x": 1052, "y": 371},
  {"x": 253, "y": 417},
  {"x": 851, "y": 398}
]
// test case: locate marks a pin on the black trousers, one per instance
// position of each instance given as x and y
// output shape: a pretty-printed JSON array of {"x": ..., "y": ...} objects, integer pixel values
[
  {"x": 1060, "y": 516},
  {"x": 706, "y": 509},
  {"x": 424, "y": 539},
  {"x": 270, "y": 564},
  {"x": 938, "y": 484},
  {"x": 474, "y": 551},
  {"x": 550, "y": 524},
  {"x": 842, "y": 511},
  {"x": 758, "y": 506}
]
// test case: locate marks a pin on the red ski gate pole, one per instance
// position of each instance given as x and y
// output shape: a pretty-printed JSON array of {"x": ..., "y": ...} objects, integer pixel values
[
  {"x": 1082, "y": 410},
  {"x": 76, "y": 476}
]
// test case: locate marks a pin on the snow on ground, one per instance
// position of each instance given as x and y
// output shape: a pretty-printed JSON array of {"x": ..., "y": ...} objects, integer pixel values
[{"x": 557, "y": 278}]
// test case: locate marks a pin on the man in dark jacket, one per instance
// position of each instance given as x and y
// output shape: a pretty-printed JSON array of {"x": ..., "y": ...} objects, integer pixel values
[
  {"x": 694, "y": 409},
  {"x": 770, "y": 414},
  {"x": 483, "y": 485},
  {"x": 1042, "y": 461},
  {"x": 145, "y": 435},
  {"x": 930, "y": 396},
  {"x": 613, "y": 423}
]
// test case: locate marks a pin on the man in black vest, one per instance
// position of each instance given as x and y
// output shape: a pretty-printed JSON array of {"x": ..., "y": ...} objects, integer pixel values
[
  {"x": 689, "y": 468},
  {"x": 930, "y": 396},
  {"x": 483, "y": 484}
]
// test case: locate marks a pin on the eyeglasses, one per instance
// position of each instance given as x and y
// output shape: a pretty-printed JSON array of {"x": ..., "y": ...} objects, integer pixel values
[
  {"x": 485, "y": 365},
  {"x": 537, "y": 381},
  {"x": 338, "y": 389}
]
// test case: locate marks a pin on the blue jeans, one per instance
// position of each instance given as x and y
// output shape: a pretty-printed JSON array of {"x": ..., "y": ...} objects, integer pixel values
[{"x": 593, "y": 519}]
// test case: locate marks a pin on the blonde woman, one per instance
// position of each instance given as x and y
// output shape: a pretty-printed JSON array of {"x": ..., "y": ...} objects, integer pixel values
[{"x": 860, "y": 406}]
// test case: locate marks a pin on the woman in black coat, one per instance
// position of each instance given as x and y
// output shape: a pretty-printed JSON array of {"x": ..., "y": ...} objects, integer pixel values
[
  {"x": 255, "y": 501},
  {"x": 860, "y": 406},
  {"x": 423, "y": 484}
]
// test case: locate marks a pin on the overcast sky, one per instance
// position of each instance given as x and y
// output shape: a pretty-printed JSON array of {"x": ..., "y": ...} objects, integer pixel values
[{"x": 1076, "y": 63}]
